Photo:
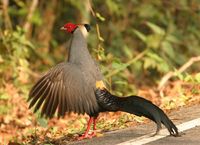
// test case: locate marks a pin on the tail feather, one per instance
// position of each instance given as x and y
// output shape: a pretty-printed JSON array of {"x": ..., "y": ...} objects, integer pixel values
[
  {"x": 142, "y": 107},
  {"x": 173, "y": 130},
  {"x": 137, "y": 106}
]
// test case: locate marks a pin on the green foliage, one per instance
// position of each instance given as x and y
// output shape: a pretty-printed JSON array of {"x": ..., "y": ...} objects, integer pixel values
[
  {"x": 42, "y": 122},
  {"x": 188, "y": 77},
  {"x": 101, "y": 18},
  {"x": 133, "y": 40},
  {"x": 4, "y": 109},
  {"x": 14, "y": 65},
  {"x": 197, "y": 77},
  {"x": 154, "y": 61},
  {"x": 15, "y": 50},
  {"x": 4, "y": 96}
]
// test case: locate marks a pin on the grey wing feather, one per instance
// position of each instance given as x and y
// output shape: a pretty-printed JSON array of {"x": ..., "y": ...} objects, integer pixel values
[{"x": 64, "y": 89}]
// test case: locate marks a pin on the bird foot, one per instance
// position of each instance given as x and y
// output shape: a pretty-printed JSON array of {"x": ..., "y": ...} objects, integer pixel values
[
  {"x": 156, "y": 133},
  {"x": 87, "y": 136}
]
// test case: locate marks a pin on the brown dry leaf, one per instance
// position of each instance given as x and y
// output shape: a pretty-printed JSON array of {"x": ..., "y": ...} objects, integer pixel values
[
  {"x": 20, "y": 123},
  {"x": 99, "y": 134},
  {"x": 10, "y": 89}
]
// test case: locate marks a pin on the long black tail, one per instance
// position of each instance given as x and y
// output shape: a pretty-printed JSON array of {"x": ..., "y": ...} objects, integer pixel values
[{"x": 138, "y": 106}]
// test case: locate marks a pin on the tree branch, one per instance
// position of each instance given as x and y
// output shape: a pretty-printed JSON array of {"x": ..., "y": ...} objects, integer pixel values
[
  {"x": 140, "y": 55},
  {"x": 32, "y": 8},
  {"x": 44, "y": 35},
  {"x": 169, "y": 75},
  {"x": 91, "y": 9},
  {"x": 7, "y": 21}
]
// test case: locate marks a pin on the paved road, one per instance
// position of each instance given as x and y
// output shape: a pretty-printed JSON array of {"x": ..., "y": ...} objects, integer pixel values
[{"x": 190, "y": 137}]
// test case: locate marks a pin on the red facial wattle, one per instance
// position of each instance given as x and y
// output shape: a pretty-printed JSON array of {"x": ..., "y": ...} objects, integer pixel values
[{"x": 70, "y": 27}]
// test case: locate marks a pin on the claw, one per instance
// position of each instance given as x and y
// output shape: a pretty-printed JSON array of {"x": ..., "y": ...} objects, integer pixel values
[
  {"x": 93, "y": 134},
  {"x": 86, "y": 136}
]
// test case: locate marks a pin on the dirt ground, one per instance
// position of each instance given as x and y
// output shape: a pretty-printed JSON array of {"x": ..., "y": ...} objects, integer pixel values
[{"x": 20, "y": 126}]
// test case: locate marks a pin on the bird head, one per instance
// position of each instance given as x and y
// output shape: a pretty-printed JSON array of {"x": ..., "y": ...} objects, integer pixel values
[{"x": 70, "y": 27}]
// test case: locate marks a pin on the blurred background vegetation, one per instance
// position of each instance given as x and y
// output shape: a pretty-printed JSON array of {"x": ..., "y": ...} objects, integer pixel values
[{"x": 136, "y": 42}]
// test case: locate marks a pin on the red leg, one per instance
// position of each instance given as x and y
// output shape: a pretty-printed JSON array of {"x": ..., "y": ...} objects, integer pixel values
[
  {"x": 94, "y": 123},
  {"x": 86, "y": 135},
  {"x": 94, "y": 127}
]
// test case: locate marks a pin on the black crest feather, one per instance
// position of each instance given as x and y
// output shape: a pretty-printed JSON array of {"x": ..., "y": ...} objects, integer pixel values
[{"x": 87, "y": 27}]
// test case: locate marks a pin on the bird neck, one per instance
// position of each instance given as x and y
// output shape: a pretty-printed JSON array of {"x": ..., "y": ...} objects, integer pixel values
[
  {"x": 78, "y": 52},
  {"x": 107, "y": 101}
]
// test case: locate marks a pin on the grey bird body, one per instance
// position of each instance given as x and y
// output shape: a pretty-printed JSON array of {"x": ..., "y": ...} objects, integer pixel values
[
  {"x": 77, "y": 86},
  {"x": 69, "y": 86}
]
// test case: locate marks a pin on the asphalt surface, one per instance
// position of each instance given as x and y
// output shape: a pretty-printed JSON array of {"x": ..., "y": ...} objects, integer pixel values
[
  {"x": 184, "y": 114},
  {"x": 190, "y": 137}
]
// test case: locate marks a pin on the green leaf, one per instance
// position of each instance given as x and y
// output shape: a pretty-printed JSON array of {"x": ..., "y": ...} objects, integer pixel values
[
  {"x": 36, "y": 19},
  {"x": 188, "y": 78},
  {"x": 4, "y": 109},
  {"x": 4, "y": 96},
  {"x": 42, "y": 122},
  {"x": 128, "y": 52},
  {"x": 20, "y": 3},
  {"x": 153, "y": 41},
  {"x": 172, "y": 39},
  {"x": 146, "y": 10},
  {"x": 154, "y": 56},
  {"x": 100, "y": 17},
  {"x": 149, "y": 63},
  {"x": 118, "y": 65},
  {"x": 163, "y": 67},
  {"x": 113, "y": 7},
  {"x": 23, "y": 62},
  {"x": 197, "y": 77},
  {"x": 179, "y": 75},
  {"x": 156, "y": 29},
  {"x": 152, "y": 60},
  {"x": 168, "y": 49},
  {"x": 140, "y": 35},
  {"x": 121, "y": 82}
]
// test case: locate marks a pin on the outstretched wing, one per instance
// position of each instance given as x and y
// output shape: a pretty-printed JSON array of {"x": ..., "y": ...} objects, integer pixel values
[{"x": 64, "y": 89}]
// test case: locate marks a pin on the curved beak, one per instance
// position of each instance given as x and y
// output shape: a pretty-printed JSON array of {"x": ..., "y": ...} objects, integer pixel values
[{"x": 62, "y": 28}]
